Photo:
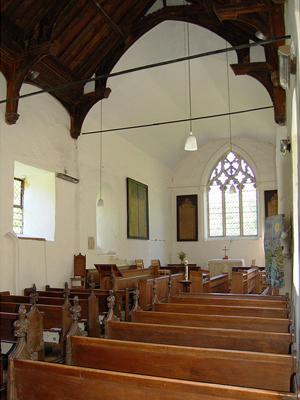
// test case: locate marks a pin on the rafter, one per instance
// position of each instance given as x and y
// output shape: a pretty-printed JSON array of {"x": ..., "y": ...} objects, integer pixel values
[{"x": 108, "y": 19}]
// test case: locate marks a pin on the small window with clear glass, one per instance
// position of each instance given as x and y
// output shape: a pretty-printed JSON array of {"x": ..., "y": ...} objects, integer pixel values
[{"x": 18, "y": 206}]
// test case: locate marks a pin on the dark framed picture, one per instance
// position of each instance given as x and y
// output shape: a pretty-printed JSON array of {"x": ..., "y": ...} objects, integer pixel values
[
  {"x": 137, "y": 210},
  {"x": 271, "y": 203},
  {"x": 187, "y": 218}
]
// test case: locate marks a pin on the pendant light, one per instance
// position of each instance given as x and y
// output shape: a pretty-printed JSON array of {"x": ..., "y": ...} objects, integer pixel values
[
  {"x": 100, "y": 201},
  {"x": 232, "y": 189},
  {"x": 191, "y": 142}
]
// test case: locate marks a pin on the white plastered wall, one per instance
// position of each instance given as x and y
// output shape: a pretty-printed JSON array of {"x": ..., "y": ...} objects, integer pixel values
[
  {"x": 41, "y": 139},
  {"x": 108, "y": 224},
  {"x": 190, "y": 177}
]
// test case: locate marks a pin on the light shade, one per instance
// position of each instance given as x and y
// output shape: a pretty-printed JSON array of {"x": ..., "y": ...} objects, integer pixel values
[
  {"x": 191, "y": 143},
  {"x": 287, "y": 66},
  {"x": 67, "y": 178},
  {"x": 232, "y": 189},
  {"x": 100, "y": 203},
  {"x": 33, "y": 74},
  {"x": 260, "y": 35},
  {"x": 284, "y": 234}
]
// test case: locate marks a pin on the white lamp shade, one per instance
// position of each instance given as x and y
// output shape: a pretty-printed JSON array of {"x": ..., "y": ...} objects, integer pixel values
[
  {"x": 284, "y": 66},
  {"x": 191, "y": 143},
  {"x": 232, "y": 189}
]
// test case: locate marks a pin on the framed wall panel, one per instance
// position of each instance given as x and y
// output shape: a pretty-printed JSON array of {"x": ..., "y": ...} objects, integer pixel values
[
  {"x": 271, "y": 203},
  {"x": 137, "y": 210},
  {"x": 187, "y": 218}
]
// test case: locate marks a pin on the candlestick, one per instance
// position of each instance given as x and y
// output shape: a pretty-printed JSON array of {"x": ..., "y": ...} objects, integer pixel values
[{"x": 186, "y": 270}]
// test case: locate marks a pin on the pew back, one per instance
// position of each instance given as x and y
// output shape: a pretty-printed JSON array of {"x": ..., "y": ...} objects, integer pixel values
[
  {"x": 161, "y": 288},
  {"x": 228, "y": 301},
  {"x": 69, "y": 383},
  {"x": 219, "y": 284},
  {"x": 214, "y": 321},
  {"x": 268, "y": 371},
  {"x": 246, "y": 282},
  {"x": 223, "y": 310},
  {"x": 231, "y": 339}
]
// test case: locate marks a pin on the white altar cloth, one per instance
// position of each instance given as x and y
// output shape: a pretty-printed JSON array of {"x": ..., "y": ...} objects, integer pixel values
[{"x": 219, "y": 266}]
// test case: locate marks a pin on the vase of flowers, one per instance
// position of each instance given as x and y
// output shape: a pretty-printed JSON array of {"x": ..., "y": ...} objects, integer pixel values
[{"x": 182, "y": 256}]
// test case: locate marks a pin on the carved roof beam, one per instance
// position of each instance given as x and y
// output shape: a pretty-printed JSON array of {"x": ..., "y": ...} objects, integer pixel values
[
  {"x": 81, "y": 109},
  {"x": 263, "y": 73},
  {"x": 53, "y": 75},
  {"x": 233, "y": 12},
  {"x": 278, "y": 30},
  {"x": 18, "y": 71},
  {"x": 256, "y": 21}
]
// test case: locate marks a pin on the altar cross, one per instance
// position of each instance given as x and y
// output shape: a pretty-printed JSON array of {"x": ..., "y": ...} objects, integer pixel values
[{"x": 226, "y": 257}]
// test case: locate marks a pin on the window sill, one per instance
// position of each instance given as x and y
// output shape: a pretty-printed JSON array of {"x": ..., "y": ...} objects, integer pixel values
[
  {"x": 233, "y": 238},
  {"x": 31, "y": 238}
]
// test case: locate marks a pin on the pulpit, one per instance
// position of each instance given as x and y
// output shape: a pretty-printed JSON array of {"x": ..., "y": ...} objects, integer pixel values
[
  {"x": 105, "y": 271},
  {"x": 219, "y": 266}
]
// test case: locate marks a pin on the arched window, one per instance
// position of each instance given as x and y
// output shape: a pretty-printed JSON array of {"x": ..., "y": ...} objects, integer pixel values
[{"x": 232, "y": 198}]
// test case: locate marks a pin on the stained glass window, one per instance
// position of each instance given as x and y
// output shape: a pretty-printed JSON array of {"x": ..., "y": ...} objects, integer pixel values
[{"x": 232, "y": 198}]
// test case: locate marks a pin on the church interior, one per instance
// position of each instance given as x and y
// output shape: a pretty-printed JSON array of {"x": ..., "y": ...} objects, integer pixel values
[{"x": 100, "y": 101}]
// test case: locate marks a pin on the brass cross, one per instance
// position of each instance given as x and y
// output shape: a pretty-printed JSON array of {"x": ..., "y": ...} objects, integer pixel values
[{"x": 226, "y": 257}]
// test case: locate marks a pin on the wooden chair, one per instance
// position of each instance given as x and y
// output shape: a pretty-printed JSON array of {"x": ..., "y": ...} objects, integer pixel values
[
  {"x": 161, "y": 271},
  {"x": 155, "y": 262},
  {"x": 79, "y": 271},
  {"x": 139, "y": 263}
]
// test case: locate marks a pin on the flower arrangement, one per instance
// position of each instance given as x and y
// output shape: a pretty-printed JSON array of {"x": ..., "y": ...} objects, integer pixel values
[{"x": 181, "y": 255}]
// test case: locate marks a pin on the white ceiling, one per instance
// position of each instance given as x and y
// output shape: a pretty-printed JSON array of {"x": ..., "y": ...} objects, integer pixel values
[{"x": 161, "y": 94}]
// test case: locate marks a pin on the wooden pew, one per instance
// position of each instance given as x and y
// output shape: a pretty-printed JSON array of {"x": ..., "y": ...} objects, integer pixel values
[
  {"x": 192, "y": 365},
  {"x": 89, "y": 307},
  {"x": 219, "y": 284},
  {"x": 213, "y": 321},
  {"x": 283, "y": 325},
  {"x": 53, "y": 301},
  {"x": 69, "y": 383},
  {"x": 229, "y": 301},
  {"x": 126, "y": 278},
  {"x": 238, "y": 296},
  {"x": 246, "y": 282},
  {"x": 201, "y": 281},
  {"x": 158, "y": 290},
  {"x": 232, "y": 339},
  {"x": 268, "y": 371},
  {"x": 223, "y": 310},
  {"x": 10, "y": 323},
  {"x": 34, "y": 322},
  {"x": 56, "y": 318},
  {"x": 123, "y": 297}
]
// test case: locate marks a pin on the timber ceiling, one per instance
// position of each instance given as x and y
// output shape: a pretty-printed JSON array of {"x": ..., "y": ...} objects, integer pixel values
[{"x": 67, "y": 41}]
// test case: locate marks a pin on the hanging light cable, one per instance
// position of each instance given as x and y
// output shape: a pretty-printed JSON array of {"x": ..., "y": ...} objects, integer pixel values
[
  {"x": 232, "y": 189},
  {"x": 191, "y": 142},
  {"x": 100, "y": 201}
]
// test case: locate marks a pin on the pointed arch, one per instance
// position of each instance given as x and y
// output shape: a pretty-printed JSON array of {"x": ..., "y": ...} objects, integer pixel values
[{"x": 232, "y": 198}]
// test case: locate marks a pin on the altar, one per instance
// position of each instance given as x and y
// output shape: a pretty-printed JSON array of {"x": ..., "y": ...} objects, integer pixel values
[{"x": 219, "y": 266}]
